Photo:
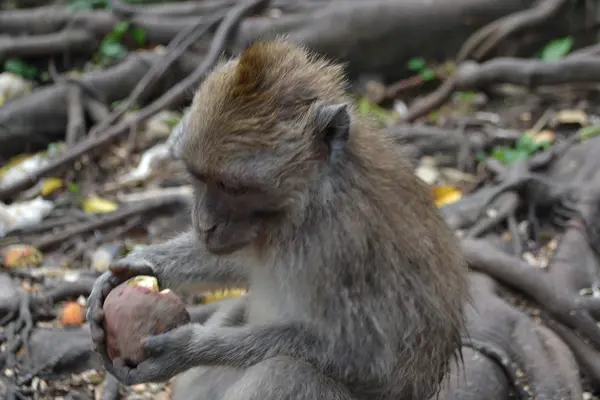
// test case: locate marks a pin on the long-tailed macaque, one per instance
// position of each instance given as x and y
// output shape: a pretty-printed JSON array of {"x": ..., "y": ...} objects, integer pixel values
[{"x": 356, "y": 285}]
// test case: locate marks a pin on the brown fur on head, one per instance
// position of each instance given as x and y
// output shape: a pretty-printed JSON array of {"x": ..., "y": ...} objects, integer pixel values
[
  {"x": 262, "y": 102},
  {"x": 256, "y": 122}
]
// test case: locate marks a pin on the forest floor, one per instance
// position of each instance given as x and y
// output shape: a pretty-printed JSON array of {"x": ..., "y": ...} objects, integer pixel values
[{"x": 508, "y": 145}]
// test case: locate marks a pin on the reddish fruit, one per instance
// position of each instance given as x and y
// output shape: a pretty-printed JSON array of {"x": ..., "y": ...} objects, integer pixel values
[{"x": 135, "y": 310}]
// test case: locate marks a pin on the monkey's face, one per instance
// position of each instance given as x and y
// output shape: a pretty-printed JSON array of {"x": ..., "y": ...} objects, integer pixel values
[
  {"x": 228, "y": 217},
  {"x": 258, "y": 135}
]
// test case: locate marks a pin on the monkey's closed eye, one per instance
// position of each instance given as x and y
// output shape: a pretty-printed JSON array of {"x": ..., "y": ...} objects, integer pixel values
[
  {"x": 232, "y": 190},
  {"x": 197, "y": 176}
]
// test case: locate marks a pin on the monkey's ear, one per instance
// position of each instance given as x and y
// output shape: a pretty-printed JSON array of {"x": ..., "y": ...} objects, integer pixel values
[{"x": 333, "y": 127}]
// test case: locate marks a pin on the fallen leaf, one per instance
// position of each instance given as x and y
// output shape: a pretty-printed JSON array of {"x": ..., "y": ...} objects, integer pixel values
[
  {"x": 96, "y": 205},
  {"x": 446, "y": 194},
  {"x": 545, "y": 136},
  {"x": 588, "y": 132},
  {"x": 73, "y": 314},
  {"x": 50, "y": 185},
  {"x": 578, "y": 117},
  {"x": 20, "y": 255},
  {"x": 427, "y": 170},
  {"x": 12, "y": 162}
]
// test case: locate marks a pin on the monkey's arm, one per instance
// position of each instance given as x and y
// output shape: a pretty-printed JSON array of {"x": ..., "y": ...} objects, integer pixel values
[
  {"x": 183, "y": 261},
  {"x": 193, "y": 345}
]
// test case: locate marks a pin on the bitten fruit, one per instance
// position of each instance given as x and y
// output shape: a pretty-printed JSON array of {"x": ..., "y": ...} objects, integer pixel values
[{"x": 136, "y": 309}]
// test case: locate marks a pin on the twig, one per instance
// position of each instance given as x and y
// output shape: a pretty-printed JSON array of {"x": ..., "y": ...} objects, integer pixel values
[
  {"x": 529, "y": 73},
  {"x": 485, "y": 39},
  {"x": 113, "y": 234},
  {"x": 97, "y": 110},
  {"x": 76, "y": 118},
  {"x": 176, "y": 95},
  {"x": 479, "y": 44},
  {"x": 179, "y": 9},
  {"x": 187, "y": 37},
  {"x": 105, "y": 220}
]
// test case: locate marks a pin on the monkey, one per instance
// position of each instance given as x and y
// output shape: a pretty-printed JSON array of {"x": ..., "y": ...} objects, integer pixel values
[{"x": 355, "y": 283}]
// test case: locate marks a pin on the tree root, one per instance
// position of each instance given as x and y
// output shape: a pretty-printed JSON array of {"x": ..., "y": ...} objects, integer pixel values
[{"x": 175, "y": 96}]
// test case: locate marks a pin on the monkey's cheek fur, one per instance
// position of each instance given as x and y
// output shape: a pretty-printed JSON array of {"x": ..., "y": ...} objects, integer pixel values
[{"x": 135, "y": 310}]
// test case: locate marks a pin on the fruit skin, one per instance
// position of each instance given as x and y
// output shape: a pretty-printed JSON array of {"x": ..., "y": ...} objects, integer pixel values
[{"x": 132, "y": 313}]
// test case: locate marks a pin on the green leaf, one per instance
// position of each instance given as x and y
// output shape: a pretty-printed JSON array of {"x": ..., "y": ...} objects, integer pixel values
[
  {"x": 139, "y": 35},
  {"x": 416, "y": 64},
  {"x": 172, "y": 122},
  {"x": 427, "y": 74},
  {"x": 466, "y": 97},
  {"x": 515, "y": 155},
  {"x": 526, "y": 143},
  {"x": 509, "y": 155},
  {"x": 121, "y": 28},
  {"x": 366, "y": 107},
  {"x": 113, "y": 50},
  {"x": 20, "y": 67},
  {"x": 557, "y": 49},
  {"x": 73, "y": 187},
  {"x": 588, "y": 132}
]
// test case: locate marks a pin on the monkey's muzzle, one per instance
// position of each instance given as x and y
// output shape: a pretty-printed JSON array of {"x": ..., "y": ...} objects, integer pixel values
[{"x": 228, "y": 237}]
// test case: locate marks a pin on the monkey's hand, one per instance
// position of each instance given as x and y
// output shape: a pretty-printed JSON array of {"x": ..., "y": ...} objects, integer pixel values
[
  {"x": 166, "y": 356},
  {"x": 193, "y": 345},
  {"x": 119, "y": 272}
]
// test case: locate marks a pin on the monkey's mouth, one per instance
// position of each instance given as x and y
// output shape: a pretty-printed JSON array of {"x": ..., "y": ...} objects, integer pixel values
[{"x": 226, "y": 240}]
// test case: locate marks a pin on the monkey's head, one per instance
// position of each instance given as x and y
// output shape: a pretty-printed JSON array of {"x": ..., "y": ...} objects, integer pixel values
[{"x": 260, "y": 136}]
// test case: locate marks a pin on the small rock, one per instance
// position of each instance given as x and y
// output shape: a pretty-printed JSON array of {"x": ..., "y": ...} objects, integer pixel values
[
  {"x": 13, "y": 86},
  {"x": 9, "y": 295}
]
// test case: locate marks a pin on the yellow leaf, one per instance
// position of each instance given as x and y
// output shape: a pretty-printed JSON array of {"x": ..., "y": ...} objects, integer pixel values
[
  {"x": 545, "y": 136},
  {"x": 50, "y": 186},
  {"x": 16, "y": 160},
  {"x": 96, "y": 205},
  {"x": 20, "y": 256},
  {"x": 222, "y": 294},
  {"x": 571, "y": 117},
  {"x": 446, "y": 194}
]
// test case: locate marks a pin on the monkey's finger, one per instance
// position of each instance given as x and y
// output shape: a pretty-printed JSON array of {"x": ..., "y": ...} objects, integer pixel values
[
  {"x": 98, "y": 315},
  {"x": 156, "y": 345},
  {"x": 97, "y": 333},
  {"x": 124, "y": 270},
  {"x": 121, "y": 371},
  {"x": 95, "y": 300},
  {"x": 153, "y": 371}
]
